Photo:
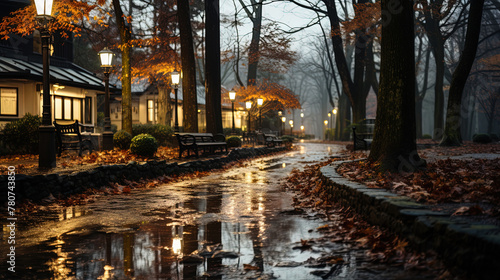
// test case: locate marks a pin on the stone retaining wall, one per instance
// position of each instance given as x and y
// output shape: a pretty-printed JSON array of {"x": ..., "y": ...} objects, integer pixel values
[
  {"x": 472, "y": 248},
  {"x": 36, "y": 188}
]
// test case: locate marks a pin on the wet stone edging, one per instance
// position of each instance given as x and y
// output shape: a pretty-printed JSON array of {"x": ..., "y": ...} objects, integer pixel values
[
  {"x": 470, "y": 248},
  {"x": 37, "y": 188}
]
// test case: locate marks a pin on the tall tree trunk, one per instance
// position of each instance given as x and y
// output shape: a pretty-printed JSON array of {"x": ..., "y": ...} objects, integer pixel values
[
  {"x": 189, "y": 100},
  {"x": 125, "y": 36},
  {"x": 452, "y": 135},
  {"x": 394, "y": 143},
  {"x": 164, "y": 105},
  {"x": 212, "y": 67},
  {"x": 253, "y": 50}
]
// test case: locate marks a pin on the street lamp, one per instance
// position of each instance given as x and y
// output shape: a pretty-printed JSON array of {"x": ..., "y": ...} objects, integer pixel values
[
  {"x": 302, "y": 129},
  {"x": 330, "y": 119},
  {"x": 326, "y": 126},
  {"x": 248, "y": 105},
  {"x": 260, "y": 101},
  {"x": 280, "y": 113},
  {"x": 283, "y": 120},
  {"x": 106, "y": 57},
  {"x": 175, "y": 84},
  {"x": 47, "y": 139},
  {"x": 232, "y": 97},
  {"x": 291, "y": 127}
]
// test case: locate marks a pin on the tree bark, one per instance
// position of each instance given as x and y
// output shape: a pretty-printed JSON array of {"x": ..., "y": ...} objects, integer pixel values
[
  {"x": 253, "y": 50},
  {"x": 394, "y": 144},
  {"x": 164, "y": 105},
  {"x": 212, "y": 68},
  {"x": 125, "y": 36},
  {"x": 452, "y": 135},
  {"x": 190, "y": 102}
]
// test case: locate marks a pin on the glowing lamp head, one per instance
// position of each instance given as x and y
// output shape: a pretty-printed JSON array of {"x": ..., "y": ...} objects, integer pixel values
[
  {"x": 326, "y": 122},
  {"x": 232, "y": 95},
  {"x": 248, "y": 104},
  {"x": 260, "y": 101},
  {"x": 301, "y": 115},
  {"x": 106, "y": 57},
  {"x": 290, "y": 122},
  {"x": 283, "y": 119},
  {"x": 43, "y": 8},
  {"x": 302, "y": 127},
  {"x": 280, "y": 113},
  {"x": 329, "y": 114},
  {"x": 176, "y": 77},
  {"x": 334, "y": 111}
]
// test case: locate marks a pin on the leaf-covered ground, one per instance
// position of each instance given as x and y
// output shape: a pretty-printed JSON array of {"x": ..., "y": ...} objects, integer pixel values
[
  {"x": 348, "y": 227},
  {"x": 469, "y": 174}
]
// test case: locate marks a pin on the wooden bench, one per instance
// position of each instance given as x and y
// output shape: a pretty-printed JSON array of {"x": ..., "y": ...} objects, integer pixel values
[
  {"x": 68, "y": 137},
  {"x": 362, "y": 141},
  {"x": 196, "y": 142}
]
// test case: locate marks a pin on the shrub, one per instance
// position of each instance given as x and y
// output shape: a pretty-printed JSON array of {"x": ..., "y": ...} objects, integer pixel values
[
  {"x": 122, "y": 139},
  {"x": 162, "y": 133},
  {"x": 287, "y": 139},
  {"x": 481, "y": 138},
  {"x": 494, "y": 137},
  {"x": 233, "y": 141},
  {"x": 21, "y": 136},
  {"x": 426, "y": 136},
  {"x": 228, "y": 131},
  {"x": 144, "y": 145}
]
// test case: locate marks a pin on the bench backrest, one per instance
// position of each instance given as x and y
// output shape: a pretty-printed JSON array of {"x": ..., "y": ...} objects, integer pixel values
[
  {"x": 68, "y": 130},
  {"x": 190, "y": 138}
]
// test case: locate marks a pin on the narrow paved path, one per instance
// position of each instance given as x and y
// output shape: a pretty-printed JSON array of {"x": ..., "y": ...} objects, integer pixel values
[{"x": 240, "y": 222}]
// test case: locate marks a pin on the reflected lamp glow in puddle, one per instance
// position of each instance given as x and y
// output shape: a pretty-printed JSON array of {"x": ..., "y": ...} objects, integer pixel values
[
  {"x": 283, "y": 165},
  {"x": 177, "y": 245}
]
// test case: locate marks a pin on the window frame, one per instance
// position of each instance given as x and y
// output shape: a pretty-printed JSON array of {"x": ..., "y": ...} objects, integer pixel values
[{"x": 17, "y": 102}]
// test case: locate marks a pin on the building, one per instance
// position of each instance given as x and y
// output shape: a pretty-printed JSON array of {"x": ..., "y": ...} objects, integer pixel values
[{"x": 73, "y": 92}]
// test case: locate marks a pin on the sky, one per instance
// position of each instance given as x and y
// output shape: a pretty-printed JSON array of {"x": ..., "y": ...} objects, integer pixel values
[{"x": 288, "y": 15}]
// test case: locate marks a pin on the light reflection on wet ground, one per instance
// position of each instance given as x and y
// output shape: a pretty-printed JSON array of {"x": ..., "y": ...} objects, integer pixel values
[{"x": 240, "y": 213}]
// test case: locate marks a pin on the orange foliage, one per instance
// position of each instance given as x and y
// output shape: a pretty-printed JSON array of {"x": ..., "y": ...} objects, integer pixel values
[
  {"x": 67, "y": 16},
  {"x": 270, "y": 92}
]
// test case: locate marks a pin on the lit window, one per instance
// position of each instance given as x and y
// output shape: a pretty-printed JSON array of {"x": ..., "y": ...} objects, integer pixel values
[{"x": 8, "y": 101}]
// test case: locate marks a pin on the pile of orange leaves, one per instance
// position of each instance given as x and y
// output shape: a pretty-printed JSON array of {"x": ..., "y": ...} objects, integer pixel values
[
  {"x": 344, "y": 225},
  {"x": 443, "y": 181}
]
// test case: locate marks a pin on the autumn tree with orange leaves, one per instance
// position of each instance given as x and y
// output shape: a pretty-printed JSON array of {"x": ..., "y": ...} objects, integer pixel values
[{"x": 275, "y": 96}]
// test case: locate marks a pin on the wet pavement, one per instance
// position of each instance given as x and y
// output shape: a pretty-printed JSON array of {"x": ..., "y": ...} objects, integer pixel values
[{"x": 234, "y": 224}]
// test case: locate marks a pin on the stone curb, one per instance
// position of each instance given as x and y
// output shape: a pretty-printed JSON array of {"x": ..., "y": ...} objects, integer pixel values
[
  {"x": 470, "y": 247},
  {"x": 37, "y": 188}
]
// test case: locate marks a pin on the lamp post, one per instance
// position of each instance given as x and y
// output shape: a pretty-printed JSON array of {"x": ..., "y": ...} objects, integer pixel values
[
  {"x": 232, "y": 97},
  {"x": 248, "y": 105},
  {"x": 326, "y": 126},
  {"x": 291, "y": 127},
  {"x": 106, "y": 57},
  {"x": 283, "y": 120},
  {"x": 302, "y": 129},
  {"x": 47, "y": 140},
  {"x": 175, "y": 84},
  {"x": 330, "y": 120},
  {"x": 260, "y": 101},
  {"x": 334, "y": 111}
]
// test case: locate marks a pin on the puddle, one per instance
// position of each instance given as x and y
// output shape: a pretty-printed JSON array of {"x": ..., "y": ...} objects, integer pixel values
[{"x": 239, "y": 223}]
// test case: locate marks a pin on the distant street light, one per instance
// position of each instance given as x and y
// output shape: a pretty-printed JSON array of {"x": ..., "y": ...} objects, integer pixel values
[
  {"x": 302, "y": 129},
  {"x": 260, "y": 101},
  {"x": 47, "y": 139},
  {"x": 291, "y": 127},
  {"x": 326, "y": 126},
  {"x": 232, "y": 97},
  {"x": 175, "y": 84},
  {"x": 248, "y": 105},
  {"x": 283, "y": 120},
  {"x": 331, "y": 121},
  {"x": 106, "y": 58}
]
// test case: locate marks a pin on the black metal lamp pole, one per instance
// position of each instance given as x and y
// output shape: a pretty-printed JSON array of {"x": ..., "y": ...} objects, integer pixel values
[
  {"x": 106, "y": 57},
  {"x": 260, "y": 101},
  {"x": 248, "y": 105},
  {"x": 232, "y": 97},
  {"x": 47, "y": 140},
  {"x": 175, "y": 83}
]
